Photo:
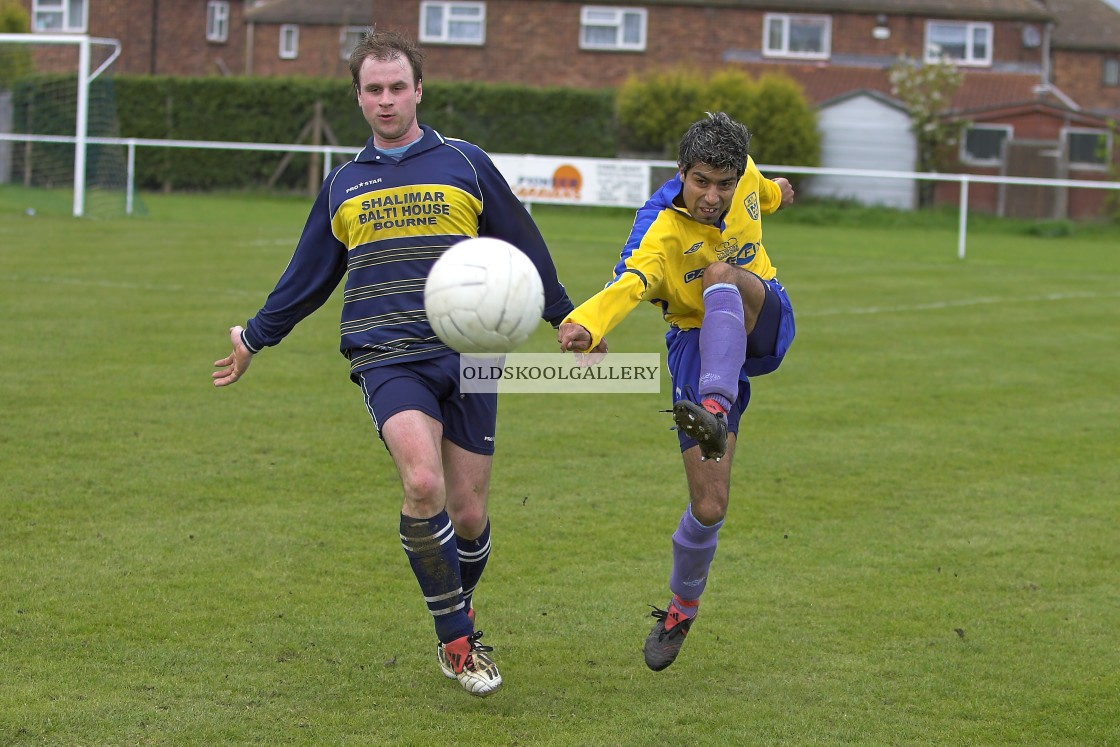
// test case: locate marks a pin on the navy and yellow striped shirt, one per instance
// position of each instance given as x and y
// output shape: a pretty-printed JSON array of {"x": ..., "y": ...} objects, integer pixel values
[{"x": 382, "y": 222}]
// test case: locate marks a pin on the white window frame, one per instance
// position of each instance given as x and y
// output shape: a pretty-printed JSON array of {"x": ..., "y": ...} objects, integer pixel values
[
  {"x": 69, "y": 20},
  {"x": 217, "y": 21},
  {"x": 456, "y": 17},
  {"x": 348, "y": 38},
  {"x": 1101, "y": 165},
  {"x": 606, "y": 17},
  {"x": 289, "y": 41},
  {"x": 1110, "y": 72},
  {"x": 970, "y": 58},
  {"x": 785, "y": 20},
  {"x": 967, "y": 158}
]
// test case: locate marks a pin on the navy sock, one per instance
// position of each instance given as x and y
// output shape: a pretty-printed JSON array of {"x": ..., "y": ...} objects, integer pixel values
[
  {"x": 432, "y": 553},
  {"x": 472, "y": 561}
]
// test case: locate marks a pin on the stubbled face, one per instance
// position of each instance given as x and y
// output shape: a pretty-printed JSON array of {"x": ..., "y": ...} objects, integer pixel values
[
  {"x": 388, "y": 99},
  {"x": 707, "y": 192}
]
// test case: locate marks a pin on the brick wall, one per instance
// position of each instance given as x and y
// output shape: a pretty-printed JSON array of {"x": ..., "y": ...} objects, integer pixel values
[
  {"x": 1078, "y": 74},
  {"x": 539, "y": 42},
  {"x": 167, "y": 37},
  {"x": 318, "y": 56}
]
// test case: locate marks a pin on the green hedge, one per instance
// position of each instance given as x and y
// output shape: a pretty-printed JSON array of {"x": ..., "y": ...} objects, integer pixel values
[
  {"x": 652, "y": 112},
  {"x": 548, "y": 121}
]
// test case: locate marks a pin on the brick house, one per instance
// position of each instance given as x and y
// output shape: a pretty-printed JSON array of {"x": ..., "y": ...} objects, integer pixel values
[
  {"x": 296, "y": 37},
  {"x": 1042, "y": 70},
  {"x": 831, "y": 46}
]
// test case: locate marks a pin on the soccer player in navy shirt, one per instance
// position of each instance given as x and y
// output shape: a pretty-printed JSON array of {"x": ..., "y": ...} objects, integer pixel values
[{"x": 381, "y": 221}]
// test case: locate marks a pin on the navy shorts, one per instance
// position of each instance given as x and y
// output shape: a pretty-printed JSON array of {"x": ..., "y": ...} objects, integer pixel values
[
  {"x": 432, "y": 387},
  {"x": 766, "y": 347}
]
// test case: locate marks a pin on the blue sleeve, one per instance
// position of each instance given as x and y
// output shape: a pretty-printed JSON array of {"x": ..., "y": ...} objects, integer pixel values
[
  {"x": 504, "y": 217},
  {"x": 645, "y": 217},
  {"x": 316, "y": 268}
]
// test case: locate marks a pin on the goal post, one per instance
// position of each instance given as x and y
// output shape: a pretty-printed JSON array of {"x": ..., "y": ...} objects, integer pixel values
[{"x": 24, "y": 56}]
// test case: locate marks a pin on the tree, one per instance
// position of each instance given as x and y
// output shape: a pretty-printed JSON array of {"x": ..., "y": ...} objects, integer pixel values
[{"x": 927, "y": 90}]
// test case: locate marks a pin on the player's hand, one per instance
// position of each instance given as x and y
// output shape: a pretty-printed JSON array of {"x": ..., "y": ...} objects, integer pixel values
[
  {"x": 594, "y": 356},
  {"x": 572, "y": 336},
  {"x": 787, "y": 190},
  {"x": 234, "y": 365}
]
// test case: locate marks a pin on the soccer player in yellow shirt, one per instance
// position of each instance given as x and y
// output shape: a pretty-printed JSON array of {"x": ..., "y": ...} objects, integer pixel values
[{"x": 696, "y": 252}]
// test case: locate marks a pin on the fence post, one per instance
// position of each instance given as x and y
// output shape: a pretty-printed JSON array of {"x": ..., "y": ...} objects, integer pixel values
[{"x": 963, "y": 217}]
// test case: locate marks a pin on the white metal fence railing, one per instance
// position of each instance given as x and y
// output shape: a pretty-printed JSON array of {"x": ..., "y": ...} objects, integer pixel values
[{"x": 616, "y": 182}]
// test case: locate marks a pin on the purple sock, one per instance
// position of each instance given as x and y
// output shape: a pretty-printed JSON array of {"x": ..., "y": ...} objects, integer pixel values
[
  {"x": 723, "y": 344},
  {"x": 694, "y": 546}
]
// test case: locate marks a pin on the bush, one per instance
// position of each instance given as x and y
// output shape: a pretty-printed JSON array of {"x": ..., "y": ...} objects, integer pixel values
[
  {"x": 655, "y": 109},
  {"x": 15, "y": 60},
  {"x": 785, "y": 124}
]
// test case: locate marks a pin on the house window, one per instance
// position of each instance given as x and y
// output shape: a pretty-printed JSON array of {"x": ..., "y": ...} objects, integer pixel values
[
  {"x": 217, "y": 21},
  {"x": 959, "y": 42},
  {"x": 348, "y": 39},
  {"x": 1110, "y": 74},
  {"x": 452, "y": 22},
  {"x": 1090, "y": 149},
  {"x": 805, "y": 37},
  {"x": 982, "y": 145},
  {"x": 53, "y": 16},
  {"x": 289, "y": 41},
  {"x": 620, "y": 29}
]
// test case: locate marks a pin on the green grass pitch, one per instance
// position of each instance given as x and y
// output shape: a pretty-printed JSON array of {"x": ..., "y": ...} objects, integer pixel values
[{"x": 922, "y": 545}]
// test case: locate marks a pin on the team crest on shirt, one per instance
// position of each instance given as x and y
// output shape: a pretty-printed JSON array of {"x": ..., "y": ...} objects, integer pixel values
[{"x": 750, "y": 202}]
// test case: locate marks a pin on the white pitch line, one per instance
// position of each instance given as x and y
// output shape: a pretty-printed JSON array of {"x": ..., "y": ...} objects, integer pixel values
[{"x": 935, "y": 306}]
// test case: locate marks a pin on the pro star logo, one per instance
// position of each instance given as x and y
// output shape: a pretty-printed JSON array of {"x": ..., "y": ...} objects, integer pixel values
[
  {"x": 750, "y": 202},
  {"x": 694, "y": 247}
]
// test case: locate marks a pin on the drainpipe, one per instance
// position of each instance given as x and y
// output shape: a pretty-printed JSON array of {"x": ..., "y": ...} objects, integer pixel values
[
  {"x": 249, "y": 28},
  {"x": 1045, "y": 85},
  {"x": 152, "y": 62},
  {"x": 1047, "y": 30}
]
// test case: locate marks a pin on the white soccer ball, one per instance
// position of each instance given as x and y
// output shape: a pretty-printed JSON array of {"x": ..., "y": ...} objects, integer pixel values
[{"x": 483, "y": 296}]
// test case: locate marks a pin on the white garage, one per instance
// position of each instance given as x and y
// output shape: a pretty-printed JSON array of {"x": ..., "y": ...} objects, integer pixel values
[{"x": 866, "y": 130}]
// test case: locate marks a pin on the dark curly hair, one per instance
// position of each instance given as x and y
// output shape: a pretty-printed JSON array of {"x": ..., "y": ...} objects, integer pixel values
[{"x": 718, "y": 141}]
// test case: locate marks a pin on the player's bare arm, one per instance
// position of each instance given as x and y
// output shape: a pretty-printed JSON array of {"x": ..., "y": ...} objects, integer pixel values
[{"x": 233, "y": 366}]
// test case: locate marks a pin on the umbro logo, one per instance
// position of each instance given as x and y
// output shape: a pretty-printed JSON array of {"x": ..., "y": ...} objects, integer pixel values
[{"x": 694, "y": 247}]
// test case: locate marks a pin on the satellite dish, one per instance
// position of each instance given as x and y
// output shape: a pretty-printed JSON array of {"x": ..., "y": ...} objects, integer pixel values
[{"x": 1032, "y": 37}]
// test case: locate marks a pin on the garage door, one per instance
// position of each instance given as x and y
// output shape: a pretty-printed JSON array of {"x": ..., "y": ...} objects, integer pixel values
[{"x": 866, "y": 131}]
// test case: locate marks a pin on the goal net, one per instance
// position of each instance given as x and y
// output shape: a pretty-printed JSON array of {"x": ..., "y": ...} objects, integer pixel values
[{"x": 57, "y": 111}]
